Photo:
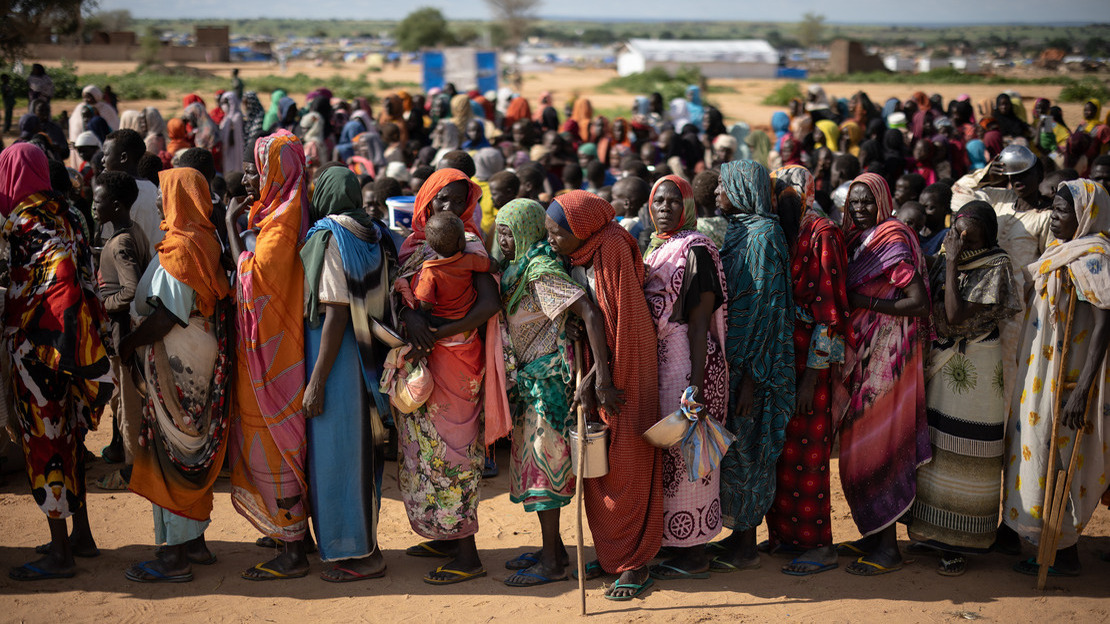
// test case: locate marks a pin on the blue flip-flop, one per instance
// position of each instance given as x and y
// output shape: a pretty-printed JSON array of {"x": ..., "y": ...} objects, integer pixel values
[
  {"x": 31, "y": 572},
  {"x": 539, "y": 579},
  {"x": 821, "y": 567},
  {"x": 640, "y": 589},
  {"x": 143, "y": 573},
  {"x": 593, "y": 570},
  {"x": 523, "y": 562}
]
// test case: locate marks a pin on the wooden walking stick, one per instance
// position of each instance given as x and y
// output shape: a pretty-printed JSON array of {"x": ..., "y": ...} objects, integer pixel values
[
  {"x": 581, "y": 443},
  {"x": 1057, "y": 485}
]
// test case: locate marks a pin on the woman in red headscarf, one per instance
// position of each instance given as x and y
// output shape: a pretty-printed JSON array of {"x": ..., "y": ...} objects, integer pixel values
[
  {"x": 625, "y": 507},
  {"x": 884, "y": 436},
  {"x": 441, "y": 452}
]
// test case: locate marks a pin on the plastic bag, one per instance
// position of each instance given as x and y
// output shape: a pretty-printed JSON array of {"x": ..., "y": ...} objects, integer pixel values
[
  {"x": 409, "y": 385},
  {"x": 705, "y": 442}
]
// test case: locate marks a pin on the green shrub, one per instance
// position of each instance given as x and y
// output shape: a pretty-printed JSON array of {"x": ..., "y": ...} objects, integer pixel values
[
  {"x": 783, "y": 94},
  {"x": 1083, "y": 90},
  {"x": 67, "y": 86},
  {"x": 656, "y": 80}
]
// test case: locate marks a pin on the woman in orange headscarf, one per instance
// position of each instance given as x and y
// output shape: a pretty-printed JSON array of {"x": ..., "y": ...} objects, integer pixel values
[
  {"x": 441, "y": 452},
  {"x": 268, "y": 427},
  {"x": 182, "y": 446},
  {"x": 624, "y": 507},
  {"x": 581, "y": 114}
]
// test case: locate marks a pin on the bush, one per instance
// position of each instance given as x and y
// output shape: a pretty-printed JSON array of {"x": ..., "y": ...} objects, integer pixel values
[
  {"x": 943, "y": 75},
  {"x": 783, "y": 94},
  {"x": 67, "y": 86},
  {"x": 1083, "y": 90},
  {"x": 656, "y": 80}
]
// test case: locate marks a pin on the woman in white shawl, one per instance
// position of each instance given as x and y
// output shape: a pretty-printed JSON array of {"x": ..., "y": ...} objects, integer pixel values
[
  {"x": 94, "y": 97},
  {"x": 155, "y": 130},
  {"x": 1078, "y": 259},
  {"x": 231, "y": 132}
]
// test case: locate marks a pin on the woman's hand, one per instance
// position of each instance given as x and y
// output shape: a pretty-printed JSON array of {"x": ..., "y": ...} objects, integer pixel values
[
  {"x": 313, "y": 399},
  {"x": 1075, "y": 411},
  {"x": 857, "y": 300},
  {"x": 420, "y": 333},
  {"x": 806, "y": 386},
  {"x": 953, "y": 245},
  {"x": 609, "y": 398},
  {"x": 745, "y": 399},
  {"x": 584, "y": 394},
  {"x": 575, "y": 328},
  {"x": 236, "y": 208}
]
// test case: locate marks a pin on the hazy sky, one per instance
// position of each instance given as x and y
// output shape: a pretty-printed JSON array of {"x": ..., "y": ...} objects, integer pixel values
[{"x": 852, "y": 11}]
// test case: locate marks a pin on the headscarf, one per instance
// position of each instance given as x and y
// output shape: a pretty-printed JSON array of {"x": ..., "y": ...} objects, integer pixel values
[
  {"x": 105, "y": 110},
  {"x": 689, "y": 210},
  {"x": 581, "y": 114},
  {"x": 748, "y": 187},
  {"x": 854, "y": 132},
  {"x": 190, "y": 250},
  {"x": 831, "y": 132},
  {"x": 1010, "y": 124},
  {"x": 217, "y": 113},
  {"x": 534, "y": 257},
  {"x": 131, "y": 120},
  {"x": 884, "y": 203},
  {"x": 742, "y": 132},
  {"x": 231, "y": 132},
  {"x": 178, "y": 136},
  {"x": 422, "y": 207},
  {"x": 800, "y": 179},
  {"x": 1092, "y": 210},
  {"x": 285, "y": 105},
  {"x": 820, "y": 100},
  {"x": 273, "y": 115},
  {"x": 155, "y": 127},
  {"x": 477, "y": 143},
  {"x": 694, "y": 107},
  {"x": 206, "y": 134},
  {"x": 282, "y": 185},
  {"x": 1089, "y": 124},
  {"x": 993, "y": 141},
  {"x": 977, "y": 154},
  {"x": 191, "y": 99},
  {"x": 24, "y": 170},
  {"x": 780, "y": 123},
  {"x": 28, "y": 126},
  {"x": 518, "y": 109},
  {"x": 984, "y": 214},
  {"x": 487, "y": 162},
  {"x": 461, "y": 113},
  {"x": 252, "y": 123},
  {"x": 760, "y": 145}
]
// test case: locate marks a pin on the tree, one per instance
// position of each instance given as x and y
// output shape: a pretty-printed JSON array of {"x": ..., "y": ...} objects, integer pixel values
[
  {"x": 423, "y": 28},
  {"x": 26, "y": 19},
  {"x": 810, "y": 29},
  {"x": 516, "y": 16}
]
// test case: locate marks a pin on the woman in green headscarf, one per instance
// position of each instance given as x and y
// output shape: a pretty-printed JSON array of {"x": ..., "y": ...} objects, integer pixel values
[
  {"x": 348, "y": 264},
  {"x": 537, "y": 295},
  {"x": 273, "y": 116}
]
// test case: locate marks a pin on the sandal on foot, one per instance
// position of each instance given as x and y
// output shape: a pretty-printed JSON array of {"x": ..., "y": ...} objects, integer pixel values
[
  {"x": 849, "y": 549},
  {"x": 1032, "y": 568},
  {"x": 425, "y": 549},
  {"x": 640, "y": 589},
  {"x": 593, "y": 570},
  {"x": 261, "y": 573},
  {"x": 724, "y": 565},
  {"x": 113, "y": 482},
  {"x": 349, "y": 575},
  {"x": 869, "y": 568},
  {"x": 31, "y": 572},
  {"x": 143, "y": 573},
  {"x": 523, "y": 562},
  {"x": 668, "y": 572},
  {"x": 526, "y": 578},
  {"x": 44, "y": 549},
  {"x": 816, "y": 567},
  {"x": 955, "y": 566},
  {"x": 454, "y": 576}
]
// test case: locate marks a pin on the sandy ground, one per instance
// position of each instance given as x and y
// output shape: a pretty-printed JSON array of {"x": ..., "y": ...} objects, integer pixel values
[
  {"x": 741, "y": 102},
  {"x": 122, "y": 524}
]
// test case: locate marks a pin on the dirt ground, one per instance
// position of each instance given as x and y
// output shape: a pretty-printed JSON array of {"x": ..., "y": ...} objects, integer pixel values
[{"x": 990, "y": 591}]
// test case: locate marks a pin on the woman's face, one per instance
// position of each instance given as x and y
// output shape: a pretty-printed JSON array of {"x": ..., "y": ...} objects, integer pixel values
[
  {"x": 506, "y": 242},
  {"x": 1089, "y": 110},
  {"x": 667, "y": 208},
  {"x": 922, "y": 151},
  {"x": 90, "y": 99},
  {"x": 1064, "y": 222},
  {"x": 1004, "y": 106},
  {"x": 1041, "y": 108},
  {"x": 971, "y": 232},
  {"x": 251, "y": 179},
  {"x": 723, "y": 202},
  {"x": 473, "y": 130},
  {"x": 562, "y": 242},
  {"x": 597, "y": 127},
  {"x": 451, "y": 197},
  {"x": 619, "y": 129},
  {"x": 862, "y": 206}
]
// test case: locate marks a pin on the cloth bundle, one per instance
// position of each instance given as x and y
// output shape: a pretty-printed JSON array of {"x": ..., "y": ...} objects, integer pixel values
[
  {"x": 408, "y": 384},
  {"x": 706, "y": 440}
]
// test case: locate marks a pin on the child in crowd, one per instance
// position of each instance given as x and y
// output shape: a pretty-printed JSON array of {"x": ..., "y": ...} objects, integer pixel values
[
  {"x": 630, "y": 195},
  {"x": 912, "y": 214},
  {"x": 446, "y": 285}
]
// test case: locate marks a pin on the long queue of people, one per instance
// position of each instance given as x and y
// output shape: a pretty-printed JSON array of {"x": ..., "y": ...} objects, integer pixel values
[{"x": 249, "y": 296}]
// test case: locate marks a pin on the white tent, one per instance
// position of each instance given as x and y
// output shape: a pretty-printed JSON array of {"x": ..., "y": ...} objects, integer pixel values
[{"x": 736, "y": 58}]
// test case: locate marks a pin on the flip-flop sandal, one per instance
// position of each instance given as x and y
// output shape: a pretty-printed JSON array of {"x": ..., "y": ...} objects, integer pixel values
[
  {"x": 271, "y": 575},
  {"x": 31, "y": 572},
  {"x": 869, "y": 568},
  {"x": 523, "y": 562},
  {"x": 593, "y": 571},
  {"x": 1032, "y": 568},
  {"x": 817, "y": 569},
  {"x": 849, "y": 549},
  {"x": 44, "y": 549},
  {"x": 723, "y": 566},
  {"x": 350, "y": 575},
  {"x": 668, "y": 572},
  {"x": 456, "y": 576},
  {"x": 143, "y": 573},
  {"x": 955, "y": 566},
  {"x": 426, "y": 550},
  {"x": 536, "y": 579},
  {"x": 713, "y": 547},
  {"x": 640, "y": 589}
]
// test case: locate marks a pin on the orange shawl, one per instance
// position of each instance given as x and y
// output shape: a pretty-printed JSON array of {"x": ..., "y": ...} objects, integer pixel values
[
  {"x": 190, "y": 252},
  {"x": 582, "y": 113}
]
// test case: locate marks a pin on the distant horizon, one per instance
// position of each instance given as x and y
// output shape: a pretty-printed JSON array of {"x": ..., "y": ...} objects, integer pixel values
[{"x": 859, "y": 12}]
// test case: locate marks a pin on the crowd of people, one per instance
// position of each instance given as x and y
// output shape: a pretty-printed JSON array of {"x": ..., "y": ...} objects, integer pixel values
[{"x": 243, "y": 287}]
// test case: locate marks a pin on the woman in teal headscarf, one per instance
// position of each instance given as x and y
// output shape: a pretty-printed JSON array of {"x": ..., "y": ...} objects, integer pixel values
[
  {"x": 348, "y": 264},
  {"x": 273, "y": 115},
  {"x": 759, "y": 348},
  {"x": 537, "y": 295}
]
